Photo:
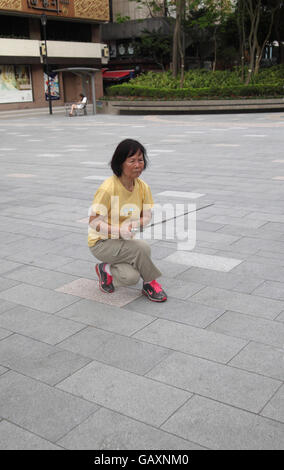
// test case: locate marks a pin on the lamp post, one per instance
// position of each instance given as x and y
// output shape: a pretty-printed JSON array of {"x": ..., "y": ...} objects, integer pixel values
[{"x": 43, "y": 19}]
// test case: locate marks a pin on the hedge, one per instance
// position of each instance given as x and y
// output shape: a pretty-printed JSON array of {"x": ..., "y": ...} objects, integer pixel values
[
  {"x": 201, "y": 78},
  {"x": 128, "y": 90}
]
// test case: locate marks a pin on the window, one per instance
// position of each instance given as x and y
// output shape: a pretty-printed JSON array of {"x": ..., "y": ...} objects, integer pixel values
[{"x": 14, "y": 27}]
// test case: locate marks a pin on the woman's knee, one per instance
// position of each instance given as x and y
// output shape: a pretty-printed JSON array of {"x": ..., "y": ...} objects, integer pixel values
[
  {"x": 125, "y": 274},
  {"x": 133, "y": 277}
]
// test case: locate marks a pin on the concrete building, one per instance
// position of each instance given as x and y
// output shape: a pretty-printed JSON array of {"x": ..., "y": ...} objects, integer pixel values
[
  {"x": 128, "y": 21},
  {"x": 72, "y": 35}
]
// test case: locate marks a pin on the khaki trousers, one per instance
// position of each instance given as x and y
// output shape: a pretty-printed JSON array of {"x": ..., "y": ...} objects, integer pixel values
[{"x": 129, "y": 260}]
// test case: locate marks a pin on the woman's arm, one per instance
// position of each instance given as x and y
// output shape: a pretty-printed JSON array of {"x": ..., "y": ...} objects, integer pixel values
[
  {"x": 145, "y": 219},
  {"x": 98, "y": 223}
]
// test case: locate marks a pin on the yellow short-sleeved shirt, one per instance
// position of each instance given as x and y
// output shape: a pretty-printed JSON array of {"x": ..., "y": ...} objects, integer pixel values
[{"x": 113, "y": 201}]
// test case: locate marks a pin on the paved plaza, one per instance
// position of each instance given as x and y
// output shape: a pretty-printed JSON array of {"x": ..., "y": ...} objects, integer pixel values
[{"x": 80, "y": 369}]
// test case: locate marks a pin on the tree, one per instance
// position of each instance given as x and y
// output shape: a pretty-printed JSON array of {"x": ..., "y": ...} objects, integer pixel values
[
  {"x": 261, "y": 15},
  {"x": 155, "y": 44},
  {"x": 178, "y": 54},
  {"x": 154, "y": 7},
  {"x": 213, "y": 16}
]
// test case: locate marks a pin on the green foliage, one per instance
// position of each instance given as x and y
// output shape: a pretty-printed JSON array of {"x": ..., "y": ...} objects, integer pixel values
[
  {"x": 154, "y": 44},
  {"x": 236, "y": 91},
  {"x": 121, "y": 19},
  {"x": 205, "y": 78},
  {"x": 202, "y": 84}
]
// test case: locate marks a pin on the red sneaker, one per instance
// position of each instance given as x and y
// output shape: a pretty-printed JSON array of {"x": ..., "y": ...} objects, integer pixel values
[
  {"x": 153, "y": 290},
  {"x": 105, "y": 279}
]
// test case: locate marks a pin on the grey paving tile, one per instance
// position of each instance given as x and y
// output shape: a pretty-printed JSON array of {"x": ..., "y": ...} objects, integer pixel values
[
  {"x": 222, "y": 427},
  {"x": 73, "y": 251},
  {"x": 6, "y": 266},
  {"x": 190, "y": 340},
  {"x": 262, "y": 359},
  {"x": 170, "y": 269},
  {"x": 107, "y": 317},
  {"x": 6, "y": 284},
  {"x": 13, "y": 437},
  {"x": 263, "y": 233},
  {"x": 40, "y": 277},
  {"x": 108, "y": 430},
  {"x": 272, "y": 290},
  {"x": 6, "y": 238},
  {"x": 3, "y": 370},
  {"x": 5, "y": 305},
  {"x": 275, "y": 408},
  {"x": 250, "y": 328},
  {"x": 279, "y": 219},
  {"x": 47, "y": 261},
  {"x": 216, "y": 239},
  {"x": 160, "y": 252},
  {"x": 178, "y": 288},
  {"x": 234, "y": 387},
  {"x": 252, "y": 245},
  {"x": 208, "y": 226},
  {"x": 267, "y": 272},
  {"x": 258, "y": 258},
  {"x": 243, "y": 303},
  {"x": 129, "y": 394},
  {"x": 4, "y": 333},
  {"x": 116, "y": 350},
  {"x": 280, "y": 317},
  {"x": 87, "y": 342},
  {"x": 270, "y": 256},
  {"x": 187, "y": 312},
  {"x": 39, "y": 360},
  {"x": 38, "y": 298},
  {"x": 207, "y": 277},
  {"x": 80, "y": 268},
  {"x": 30, "y": 244},
  {"x": 230, "y": 220},
  {"x": 46, "y": 411},
  {"x": 38, "y": 325},
  {"x": 278, "y": 227}
]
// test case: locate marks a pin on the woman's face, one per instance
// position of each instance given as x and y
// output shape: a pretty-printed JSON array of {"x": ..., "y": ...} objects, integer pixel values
[{"x": 133, "y": 166}]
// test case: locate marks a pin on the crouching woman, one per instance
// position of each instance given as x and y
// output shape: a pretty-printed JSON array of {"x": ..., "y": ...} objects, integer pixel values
[{"x": 121, "y": 207}]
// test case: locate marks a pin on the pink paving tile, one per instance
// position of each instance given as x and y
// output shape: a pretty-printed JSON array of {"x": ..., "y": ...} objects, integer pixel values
[{"x": 89, "y": 289}]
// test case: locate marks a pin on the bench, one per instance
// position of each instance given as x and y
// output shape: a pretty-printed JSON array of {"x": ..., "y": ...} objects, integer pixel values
[{"x": 82, "y": 111}]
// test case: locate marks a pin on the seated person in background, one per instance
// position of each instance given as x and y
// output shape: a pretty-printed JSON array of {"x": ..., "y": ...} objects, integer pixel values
[{"x": 80, "y": 105}]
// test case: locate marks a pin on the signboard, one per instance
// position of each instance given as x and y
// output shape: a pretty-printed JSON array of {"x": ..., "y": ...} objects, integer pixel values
[
  {"x": 54, "y": 86},
  {"x": 15, "y": 84},
  {"x": 96, "y": 10}
]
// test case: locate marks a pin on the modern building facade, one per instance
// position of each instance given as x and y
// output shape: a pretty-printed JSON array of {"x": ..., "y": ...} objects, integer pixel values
[
  {"x": 40, "y": 36},
  {"x": 128, "y": 21}
]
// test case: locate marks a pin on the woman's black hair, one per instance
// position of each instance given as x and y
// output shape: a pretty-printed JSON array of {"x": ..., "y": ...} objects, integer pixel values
[{"x": 126, "y": 148}]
